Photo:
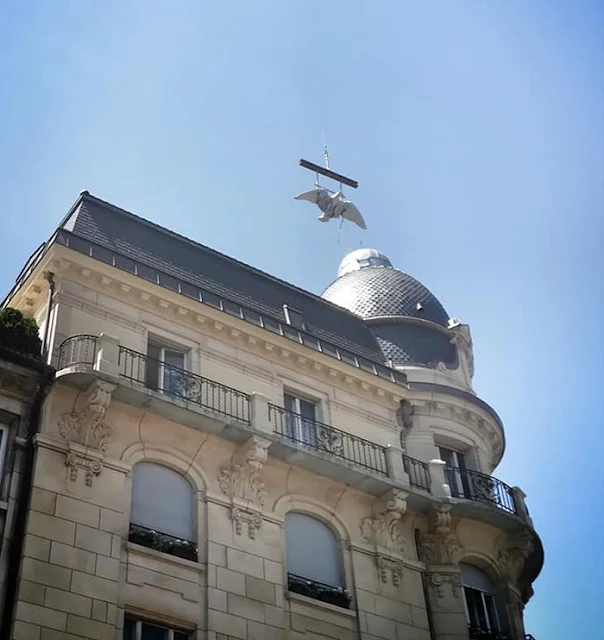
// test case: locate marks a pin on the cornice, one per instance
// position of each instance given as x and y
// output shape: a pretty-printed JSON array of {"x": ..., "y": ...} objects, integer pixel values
[{"x": 176, "y": 308}]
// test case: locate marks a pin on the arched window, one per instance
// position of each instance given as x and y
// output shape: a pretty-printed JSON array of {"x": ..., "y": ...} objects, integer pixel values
[
  {"x": 480, "y": 600},
  {"x": 314, "y": 564},
  {"x": 162, "y": 514}
]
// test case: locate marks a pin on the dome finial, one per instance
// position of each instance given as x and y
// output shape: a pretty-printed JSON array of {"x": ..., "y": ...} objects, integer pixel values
[{"x": 361, "y": 258}]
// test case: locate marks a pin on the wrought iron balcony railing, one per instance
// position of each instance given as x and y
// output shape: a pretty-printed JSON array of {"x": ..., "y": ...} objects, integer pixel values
[
  {"x": 318, "y": 591},
  {"x": 80, "y": 349},
  {"x": 476, "y": 633},
  {"x": 473, "y": 485},
  {"x": 184, "y": 385},
  {"x": 321, "y": 437},
  {"x": 162, "y": 542},
  {"x": 418, "y": 472}
]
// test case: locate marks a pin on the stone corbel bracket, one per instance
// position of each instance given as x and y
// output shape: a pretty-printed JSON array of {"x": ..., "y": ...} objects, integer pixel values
[
  {"x": 439, "y": 580},
  {"x": 390, "y": 566},
  {"x": 382, "y": 530},
  {"x": 242, "y": 482},
  {"x": 440, "y": 545},
  {"x": 513, "y": 553},
  {"x": 87, "y": 432}
]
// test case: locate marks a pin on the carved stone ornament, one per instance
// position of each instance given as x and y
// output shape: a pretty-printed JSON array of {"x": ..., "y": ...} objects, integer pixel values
[
  {"x": 243, "y": 478},
  {"x": 438, "y": 581},
  {"x": 253, "y": 519},
  {"x": 440, "y": 546},
  {"x": 90, "y": 462},
  {"x": 88, "y": 427},
  {"x": 389, "y": 566},
  {"x": 462, "y": 339},
  {"x": 383, "y": 530},
  {"x": 512, "y": 556}
]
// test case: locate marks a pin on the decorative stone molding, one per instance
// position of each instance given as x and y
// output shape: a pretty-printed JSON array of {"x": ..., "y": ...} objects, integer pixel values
[
  {"x": 89, "y": 461},
  {"x": 253, "y": 519},
  {"x": 441, "y": 546},
  {"x": 383, "y": 530},
  {"x": 88, "y": 427},
  {"x": 390, "y": 566},
  {"x": 87, "y": 433},
  {"x": 466, "y": 417},
  {"x": 243, "y": 479},
  {"x": 438, "y": 580},
  {"x": 511, "y": 558},
  {"x": 462, "y": 340}
]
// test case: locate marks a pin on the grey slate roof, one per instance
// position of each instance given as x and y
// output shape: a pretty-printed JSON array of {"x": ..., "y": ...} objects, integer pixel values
[
  {"x": 126, "y": 239},
  {"x": 384, "y": 291}
]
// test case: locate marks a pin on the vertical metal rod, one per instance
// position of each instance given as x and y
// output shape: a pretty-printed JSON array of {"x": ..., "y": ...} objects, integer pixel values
[{"x": 51, "y": 290}]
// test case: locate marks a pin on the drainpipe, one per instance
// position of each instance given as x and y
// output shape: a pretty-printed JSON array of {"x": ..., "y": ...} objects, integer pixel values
[
  {"x": 50, "y": 276},
  {"x": 46, "y": 379},
  {"x": 426, "y": 594}
]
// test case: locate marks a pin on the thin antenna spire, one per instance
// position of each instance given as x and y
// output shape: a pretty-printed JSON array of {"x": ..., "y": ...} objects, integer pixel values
[{"x": 325, "y": 151}]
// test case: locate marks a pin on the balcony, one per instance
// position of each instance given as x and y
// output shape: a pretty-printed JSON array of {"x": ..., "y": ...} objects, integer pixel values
[
  {"x": 184, "y": 385},
  {"x": 162, "y": 542},
  {"x": 318, "y": 591},
  {"x": 477, "y": 633},
  {"x": 317, "y": 436},
  {"x": 418, "y": 472},
  {"x": 473, "y": 485}
]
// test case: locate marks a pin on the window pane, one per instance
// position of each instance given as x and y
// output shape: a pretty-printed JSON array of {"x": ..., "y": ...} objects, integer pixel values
[
  {"x": 181, "y": 635},
  {"x": 474, "y": 605},
  {"x": 307, "y": 409},
  {"x": 491, "y": 611},
  {"x": 312, "y": 550},
  {"x": 129, "y": 629},
  {"x": 162, "y": 500},
  {"x": 153, "y": 632},
  {"x": 289, "y": 402}
]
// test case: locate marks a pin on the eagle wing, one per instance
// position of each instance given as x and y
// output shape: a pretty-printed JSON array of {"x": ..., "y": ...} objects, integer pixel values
[
  {"x": 310, "y": 196},
  {"x": 350, "y": 212}
]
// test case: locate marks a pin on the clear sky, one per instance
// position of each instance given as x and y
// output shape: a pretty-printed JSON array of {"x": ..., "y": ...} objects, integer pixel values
[{"x": 475, "y": 129}]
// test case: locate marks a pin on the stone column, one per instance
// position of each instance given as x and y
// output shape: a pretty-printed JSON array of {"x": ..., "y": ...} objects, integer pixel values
[
  {"x": 440, "y": 550},
  {"x": 519, "y": 500},
  {"x": 259, "y": 413},
  {"x": 440, "y": 488},
  {"x": 396, "y": 469},
  {"x": 107, "y": 357}
]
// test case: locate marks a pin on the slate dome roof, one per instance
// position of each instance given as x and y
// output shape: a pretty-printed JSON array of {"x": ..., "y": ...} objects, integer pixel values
[{"x": 369, "y": 286}]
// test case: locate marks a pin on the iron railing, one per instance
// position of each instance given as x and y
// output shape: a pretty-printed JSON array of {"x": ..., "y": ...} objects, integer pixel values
[
  {"x": 318, "y": 590},
  {"x": 162, "y": 542},
  {"x": 473, "y": 485},
  {"x": 178, "y": 383},
  {"x": 79, "y": 349},
  {"x": 321, "y": 437},
  {"x": 418, "y": 472},
  {"x": 476, "y": 633}
]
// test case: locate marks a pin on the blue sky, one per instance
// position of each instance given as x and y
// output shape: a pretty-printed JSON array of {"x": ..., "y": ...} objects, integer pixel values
[{"x": 475, "y": 128}]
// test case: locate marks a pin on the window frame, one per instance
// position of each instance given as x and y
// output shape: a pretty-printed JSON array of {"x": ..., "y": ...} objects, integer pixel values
[
  {"x": 302, "y": 430},
  {"x": 5, "y": 431},
  {"x": 138, "y": 628},
  {"x": 335, "y": 594},
  {"x": 294, "y": 318},
  {"x": 164, "y": 344},
  {"x": 492, "y": 625}
]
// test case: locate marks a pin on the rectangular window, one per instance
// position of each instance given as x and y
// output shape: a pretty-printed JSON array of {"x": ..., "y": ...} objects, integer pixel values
[
  {"x": 301, "y": 419},
  {"x": 456, "y": 472},
  {"x": 293, "y": 317},
  {"x": 166, "y": 369},
  {"x": 481, "y": 610},
  {"x": 141, "y": 630}
]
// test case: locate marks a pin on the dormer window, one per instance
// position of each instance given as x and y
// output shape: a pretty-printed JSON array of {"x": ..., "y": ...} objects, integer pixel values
[{"x": 293, "y": 317}]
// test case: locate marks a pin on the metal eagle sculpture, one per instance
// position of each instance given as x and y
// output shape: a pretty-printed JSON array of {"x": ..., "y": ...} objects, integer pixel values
[{"x": 333, "y": 205}]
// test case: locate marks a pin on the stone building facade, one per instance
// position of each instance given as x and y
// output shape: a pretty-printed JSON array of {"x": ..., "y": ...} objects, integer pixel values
[{"x": 224, "y": 456}]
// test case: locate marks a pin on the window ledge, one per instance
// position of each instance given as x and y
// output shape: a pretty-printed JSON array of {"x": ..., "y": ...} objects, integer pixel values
[
  {"x": 350, "y": 613},
  {"x": 163, "y": 557}
]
